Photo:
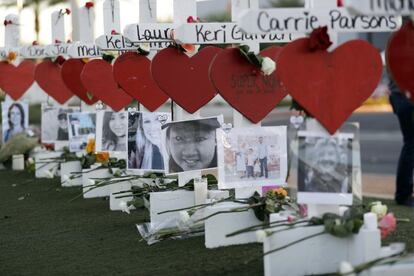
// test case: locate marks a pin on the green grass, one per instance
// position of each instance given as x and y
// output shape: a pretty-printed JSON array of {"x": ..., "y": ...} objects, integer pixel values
[{"x": 44, "y": 234}]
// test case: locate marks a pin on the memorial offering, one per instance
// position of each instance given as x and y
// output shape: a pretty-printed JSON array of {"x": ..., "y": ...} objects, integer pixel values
[
  {"x": 145, "y": 152},
  {"x": 252, "y": 157},
  {"x": 55, "y": 125},
  {"x": 82, "y": 127},
  {"x": 15, "y": 119},
  {"x": 111, "y": 131},
  {"x": 190, "y": 145}
]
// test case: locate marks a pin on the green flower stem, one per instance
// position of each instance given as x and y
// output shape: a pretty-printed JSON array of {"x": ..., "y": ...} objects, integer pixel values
[
  {"x": 263, "y": 225},
  {"x": 195, "y": 206},
  {"x": 235, "y": 210},
  {"x": 293, "y": 243},
  {"x": 288, "y": 228}
]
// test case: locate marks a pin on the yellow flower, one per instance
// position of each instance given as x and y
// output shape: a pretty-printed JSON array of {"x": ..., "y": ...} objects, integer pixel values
[
  {"x": 280, "y": 192},
  {"x": 102, "y": 157},
  {"x": 11, "y": 56},
  {"x": 90, "y": 147}
]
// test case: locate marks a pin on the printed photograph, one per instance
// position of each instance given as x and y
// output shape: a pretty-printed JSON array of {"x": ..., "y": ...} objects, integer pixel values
[
  {"x": 15, "y": 118},
  {"x": 145, "y": 152},
  {"x": 325, "y": 164},
  {"x": 111, "y": 131},
  {"x": 55, "y": 125},
  {"x": 82, "y": 127},
  {"x": 190, "y": 145},
  {"x": 253, "y": 156}
]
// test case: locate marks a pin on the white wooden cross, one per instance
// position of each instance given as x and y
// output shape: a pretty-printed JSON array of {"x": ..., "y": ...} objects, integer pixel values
[
  {"x": 306, "y": 19},
  {"x": 380, "y": 7},
  {"x": 85, "y": 47},
  {"x": 11, "y": 40}
]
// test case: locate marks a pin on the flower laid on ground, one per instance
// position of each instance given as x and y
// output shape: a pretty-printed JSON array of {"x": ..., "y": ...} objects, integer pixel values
[
  {"x": 125, "y": 207},
  {"x": 48, "y": 174},
  {"x": 18, "y": 144},
  {"x": 379, "y": 209},
  {"x": 90, "y": 147},
  {"x": 345, "y": 268},
  {"x": 102, "y": 157},
  {"x": 387, "y": 225},
  {"x": 267, "y": 65}
]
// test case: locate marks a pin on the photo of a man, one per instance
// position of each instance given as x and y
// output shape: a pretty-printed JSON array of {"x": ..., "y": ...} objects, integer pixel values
[
  {"x": 252, "y": 156},
  {"x": 262, "y": 150},
  {"x": 55, "y": 125}
]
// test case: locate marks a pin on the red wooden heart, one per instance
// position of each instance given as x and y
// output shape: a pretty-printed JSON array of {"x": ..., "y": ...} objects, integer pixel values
[
  {"x": 330, "y": 86},
  {"x": 133, "y": 74},
  {"x": 400, "y": 58},
  {"x": 244, "y": 86},
  {"x": 97, "y": 77},
  {"x": 48, "y": 77},
  {"x": 16, "y": 80},
  {"x": 71, "y": 71},
  {"x": 185, "y": 79}
]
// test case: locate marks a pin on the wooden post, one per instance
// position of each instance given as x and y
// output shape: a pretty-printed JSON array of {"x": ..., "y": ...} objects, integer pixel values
[
  {"x": 148, "y": 14},
  {"x": 182, "y": 10},
  {"x": 111, "y": 16},
  {"x": 12, "y": 39}
]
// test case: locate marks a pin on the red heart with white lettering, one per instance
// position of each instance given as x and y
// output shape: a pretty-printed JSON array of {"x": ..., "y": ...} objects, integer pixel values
[
  {"x": 330, "y": 85},
  {"x": 185, "y": 79},
  {"x": 133, "y": 74},
  {"x": 16, "y": 80},
  {"x": 48, "y": 76},
  {"x": 71, "y": 71},
  {"x": 98, "y": 78},
  {"x": 244, "y": 86},
  {"x": 400, "y": 58}
]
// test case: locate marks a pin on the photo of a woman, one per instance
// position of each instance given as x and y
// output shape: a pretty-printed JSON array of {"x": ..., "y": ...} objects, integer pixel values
[
  {"x": 114, "y": 131},
  {"x": 144, "y": 140},
  {"x": 191, "y": 145},
  {"x": 15, "y": 120},
  {"x": 324, "y": 165}
]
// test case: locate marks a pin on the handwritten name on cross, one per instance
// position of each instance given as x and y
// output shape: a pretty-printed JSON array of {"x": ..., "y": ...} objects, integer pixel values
[{"x": 264, "y": 21}]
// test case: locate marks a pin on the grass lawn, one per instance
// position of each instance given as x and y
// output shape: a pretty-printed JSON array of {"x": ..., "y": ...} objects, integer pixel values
[{"x": 44, "y": 234}]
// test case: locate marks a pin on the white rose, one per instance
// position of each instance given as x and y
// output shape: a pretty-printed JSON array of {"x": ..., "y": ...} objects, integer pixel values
[
  {"x": 145, "y": 47},
  {"x": 184, "y": 217},
  {"x": 124, "y": 207},
  {"x": 268, "y": 66},
  {"x": 47, "y": 174},
  {"x": 65, "y": 177},
  {"x": 261, "y": 235},
  {"x": 380, "y": 210},
  {"x": 30, "y": 160},
  {"x": 346, "y": 268}
]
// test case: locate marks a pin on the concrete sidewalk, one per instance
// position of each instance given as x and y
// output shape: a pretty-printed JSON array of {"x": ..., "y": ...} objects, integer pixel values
[{"x": 377, "y": 185}]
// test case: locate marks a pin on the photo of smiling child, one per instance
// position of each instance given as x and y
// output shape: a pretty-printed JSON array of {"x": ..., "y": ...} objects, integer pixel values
[{"x": 191, "y": 145}]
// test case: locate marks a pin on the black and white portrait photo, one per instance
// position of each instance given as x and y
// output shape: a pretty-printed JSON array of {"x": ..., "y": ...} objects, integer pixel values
[
  {"x": 15, "y": 118},
  {"x": 144, "y": 140},
  {"x": 82, "y": 127},
  {"x": 191, "y": 145},
  {"x": 111, "y": 131},
  {"x": 325, "y": 164},
  {"x": 55, "y": 125},
  {"x": 252, "y": 156}
]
